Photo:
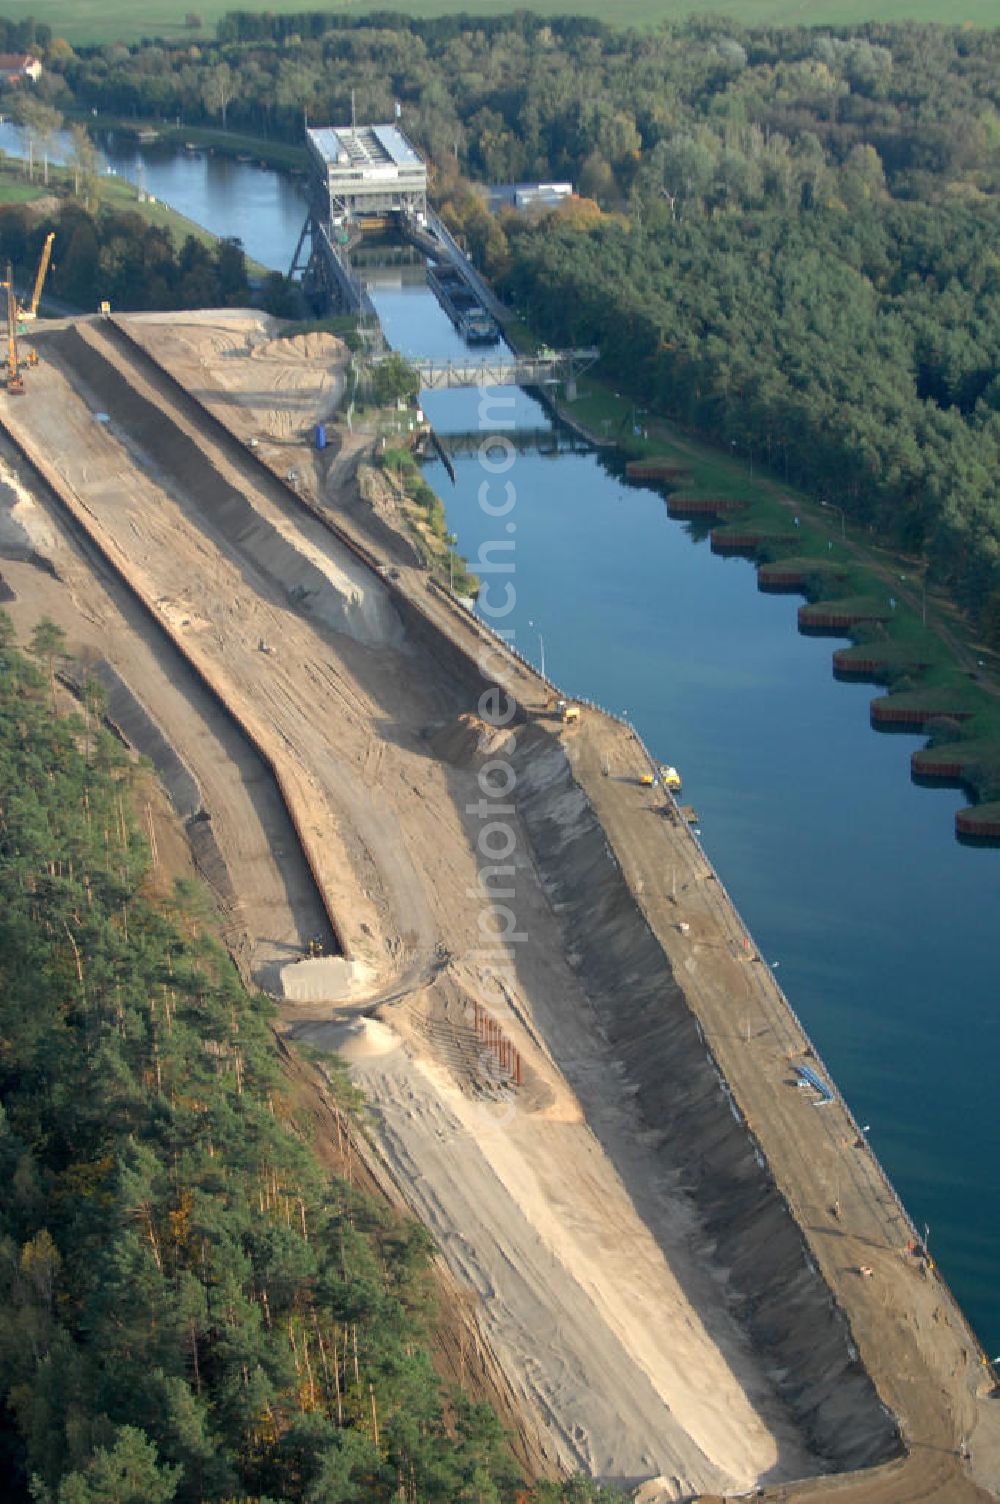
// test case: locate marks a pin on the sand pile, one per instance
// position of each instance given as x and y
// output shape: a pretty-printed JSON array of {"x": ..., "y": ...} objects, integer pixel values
[
  {"x": 356, "y": 1041},
  {"x": 258, "y": 383},
  {"x": 468, "y": 739},
  {"x": 316, "y": 347},
  {"x": 24, "y": 528},
  {"x": 323, "y": 979}
]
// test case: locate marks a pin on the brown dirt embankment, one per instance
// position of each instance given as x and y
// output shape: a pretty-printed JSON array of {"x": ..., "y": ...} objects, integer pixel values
[
  {"x": 162, "y": 707},
  {"x": 341, "y": 592},
  {"x": 460, "y": 1356},
  {"x": 683, "y": 1100},
  {"x": 598, "y": 1220},
  {"x": 537, "y": 1219}
]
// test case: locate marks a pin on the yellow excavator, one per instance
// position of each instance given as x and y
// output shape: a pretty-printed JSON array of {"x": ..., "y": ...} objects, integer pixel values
[
  {"x": 26, "y": 315},
  {"x": 15, "y": 385}
]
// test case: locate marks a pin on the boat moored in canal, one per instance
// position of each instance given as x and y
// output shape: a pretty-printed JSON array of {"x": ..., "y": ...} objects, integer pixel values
[{"x": 470, "y": 318}]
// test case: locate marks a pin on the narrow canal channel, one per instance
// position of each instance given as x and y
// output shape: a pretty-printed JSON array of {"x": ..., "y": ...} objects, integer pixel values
[{"x": 883, "y": 927}]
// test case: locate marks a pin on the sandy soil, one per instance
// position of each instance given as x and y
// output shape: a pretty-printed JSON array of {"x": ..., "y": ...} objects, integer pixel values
[
  {"x": 632, "y": 1379},
  {"x": 596, "y": 1291},
  {"x": 276, "y": 910},
  {"x": 269, "y": 387}
]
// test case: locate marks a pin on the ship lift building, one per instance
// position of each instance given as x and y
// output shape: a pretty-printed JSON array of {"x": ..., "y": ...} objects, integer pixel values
[{"x": 367, "y": 172}]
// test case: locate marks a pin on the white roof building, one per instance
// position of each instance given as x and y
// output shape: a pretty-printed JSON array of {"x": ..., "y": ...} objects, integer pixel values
[
  {"x": 528, "y": 195},
  {"x": 15, "y": 66},
  {"x": 368, "y": 171}
]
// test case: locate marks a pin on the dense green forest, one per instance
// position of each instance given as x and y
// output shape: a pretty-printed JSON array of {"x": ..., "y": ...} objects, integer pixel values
[
  {"x": 857, "y": 356},
  {"x": 708, "y": 106},
  {"x": 787, "y": 239},
  {"x": 24, "y": 33},
  {"x": 190, "y": 1308},
  {"x": 107, "y": 253}
]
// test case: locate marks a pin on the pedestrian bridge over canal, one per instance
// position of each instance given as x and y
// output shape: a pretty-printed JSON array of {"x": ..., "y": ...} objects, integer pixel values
[{"x": 502, "y": 369}]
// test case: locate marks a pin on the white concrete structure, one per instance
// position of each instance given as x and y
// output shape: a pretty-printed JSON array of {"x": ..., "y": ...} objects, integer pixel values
[{"x": 368, "y": 171}]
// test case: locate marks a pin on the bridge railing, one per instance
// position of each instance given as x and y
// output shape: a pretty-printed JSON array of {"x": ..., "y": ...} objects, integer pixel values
[{"x": 515, "y": 370}]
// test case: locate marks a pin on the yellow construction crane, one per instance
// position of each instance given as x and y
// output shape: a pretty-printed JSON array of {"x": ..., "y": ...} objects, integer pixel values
[
  {"x": 27, "y": 314},
  {"x": 15, "y": 386}
]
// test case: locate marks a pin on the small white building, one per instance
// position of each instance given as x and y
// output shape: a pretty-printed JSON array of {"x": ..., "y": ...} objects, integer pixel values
[
  {"x": 16, "y": 67},
  {"x": 528, "y": 195},
  {"x": 367, "y": 172}
]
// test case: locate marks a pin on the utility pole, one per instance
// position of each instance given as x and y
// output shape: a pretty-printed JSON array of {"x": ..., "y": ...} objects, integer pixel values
[
  {"x": 541, "y": 648},
  {"x": 832, "y": 506}
]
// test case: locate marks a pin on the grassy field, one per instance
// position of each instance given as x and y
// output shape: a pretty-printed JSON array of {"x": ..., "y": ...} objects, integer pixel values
[
  {"x": 84, "y": 21},
  {"x": 14, "y": 191}
]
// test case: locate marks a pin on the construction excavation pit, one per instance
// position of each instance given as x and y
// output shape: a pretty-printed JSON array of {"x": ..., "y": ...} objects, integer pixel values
[{"x": 679, "y": 1277}]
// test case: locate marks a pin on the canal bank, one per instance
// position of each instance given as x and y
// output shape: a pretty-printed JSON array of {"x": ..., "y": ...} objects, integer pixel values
[
  {"x": 699, "y": 1118},
  {"x": 847, "y": 874},
  {"x": 910, "y": 639},
  {"x": 839, "y": 863}
]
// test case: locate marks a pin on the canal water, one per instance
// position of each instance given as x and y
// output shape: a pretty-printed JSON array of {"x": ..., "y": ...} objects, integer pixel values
[{"x": 883, "y": 929}]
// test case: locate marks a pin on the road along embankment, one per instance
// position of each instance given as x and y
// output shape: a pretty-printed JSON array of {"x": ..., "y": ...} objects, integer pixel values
[
  {"x": 785, "y": 1181},
  {"x": 125, "y": 714},
  {"x": 860, "y": 1332},
  {"x": 685, "y": 1398},
  {"x": 678, "y": 1136}
]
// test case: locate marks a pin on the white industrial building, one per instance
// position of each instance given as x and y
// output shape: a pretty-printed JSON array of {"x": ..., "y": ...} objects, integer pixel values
[
  {"x": 528, "y": 195},
  {"x": 368, "y": 171}
]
